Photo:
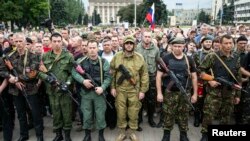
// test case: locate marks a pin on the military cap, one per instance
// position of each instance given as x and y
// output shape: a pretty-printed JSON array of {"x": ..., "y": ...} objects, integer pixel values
[
  {"x": 129, "y": 38},
  {"x": 206, "y": 38},
  {"x": 178, "y": 40}
]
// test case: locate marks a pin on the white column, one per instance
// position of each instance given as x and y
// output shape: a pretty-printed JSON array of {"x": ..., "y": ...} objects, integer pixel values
[
  {"x": 113, "y": 11},
  {"x": 108, "y": 8},
  {"x": 103, "y": 13}
]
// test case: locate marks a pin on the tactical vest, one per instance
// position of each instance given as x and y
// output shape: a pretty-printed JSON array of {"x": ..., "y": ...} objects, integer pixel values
[
  {"x": 180, "y": 69},
  {"x": 220, "y": 71},
  {"x": 93, "y": 70}
]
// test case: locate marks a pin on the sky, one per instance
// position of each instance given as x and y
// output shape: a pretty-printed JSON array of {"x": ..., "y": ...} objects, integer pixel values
[{"x": 186, "y": 4}]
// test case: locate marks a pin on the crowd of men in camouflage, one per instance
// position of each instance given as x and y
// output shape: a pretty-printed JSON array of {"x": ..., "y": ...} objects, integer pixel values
[{"x": 114, "y": 77}]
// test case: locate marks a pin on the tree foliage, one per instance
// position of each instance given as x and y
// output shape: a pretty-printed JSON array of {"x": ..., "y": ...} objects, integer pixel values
[
  {"x": 96, "y": 19},
  {"x": 204, "y": 17},
  {"x": 161, "y": 13},
  {"x": 30, "y": 13}
]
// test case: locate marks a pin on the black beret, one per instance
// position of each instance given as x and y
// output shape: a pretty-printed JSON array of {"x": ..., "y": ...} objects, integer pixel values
[{"x": 242, "y": 38}]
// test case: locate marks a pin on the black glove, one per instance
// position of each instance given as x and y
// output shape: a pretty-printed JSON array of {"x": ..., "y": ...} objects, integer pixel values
[
  {"x": 51, "y": 80},
  {"x": 64, "y": 87}
]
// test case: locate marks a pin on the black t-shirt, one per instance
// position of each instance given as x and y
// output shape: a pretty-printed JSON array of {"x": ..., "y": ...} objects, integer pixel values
[{"x": 180, "y": 69}]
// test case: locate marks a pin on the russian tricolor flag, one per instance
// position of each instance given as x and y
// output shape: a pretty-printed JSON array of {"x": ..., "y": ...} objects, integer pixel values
[{"x": 151, "y": 16}]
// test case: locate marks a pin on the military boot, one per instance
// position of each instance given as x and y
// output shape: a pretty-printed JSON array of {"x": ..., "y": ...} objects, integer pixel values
[
  {"x": 87, "y": 135},
  {"x": 59, "y": 136},
  {"x": 183, "y": 136},
  {"x": 101, "y": 137},
  {"x": 122, "y": 135},
  {"x": 204, "y": 137},
  {"x": 67, "y": 135},
  {"x": 197, "y": 118},
  {"x": 166, "y": 135},
  {"x": 132, "y": 135}
]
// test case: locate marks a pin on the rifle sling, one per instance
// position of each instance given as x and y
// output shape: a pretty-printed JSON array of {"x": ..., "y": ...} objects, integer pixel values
[{"x": 225, "y": 66}]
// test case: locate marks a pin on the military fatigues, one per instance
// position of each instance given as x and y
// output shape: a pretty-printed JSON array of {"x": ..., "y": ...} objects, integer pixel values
[
  {"x": 127, "y": 100},
  {"x": 174, "y": 104},
  {"x": 90, "y": 100},
  {"x": 198, "y": 113},
  {"x": 219, "y": 98},
  {"x": 23, "y": 65},
  {"x": 61, "y": 104},
  {"x": 150, "y": 55}
]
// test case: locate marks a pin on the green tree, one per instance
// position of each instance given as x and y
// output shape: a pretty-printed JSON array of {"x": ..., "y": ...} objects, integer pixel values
[
  {"x": 96, "y": 19},
  {"x": 85, "y": 19},
  {"x": 228, "y": 13},
  {"x": 161, "y": 13},
  {"x": 203, "y": 17}
]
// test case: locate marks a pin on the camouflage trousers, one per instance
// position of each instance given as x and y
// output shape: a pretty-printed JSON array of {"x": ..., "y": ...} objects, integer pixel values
[
  {"x": 61, "y": 105},
  {"x": 214, "y": 105},
  {"x": 127, "y": 105},
  {"x": 175, "y": 107}
]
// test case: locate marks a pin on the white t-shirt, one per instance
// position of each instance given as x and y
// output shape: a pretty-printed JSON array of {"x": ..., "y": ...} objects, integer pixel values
[{"x": 108, "y": 57}]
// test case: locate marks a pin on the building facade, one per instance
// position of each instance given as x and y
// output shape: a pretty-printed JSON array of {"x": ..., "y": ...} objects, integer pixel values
[
  {"x": 216, "y": 7},
  {"x": 187, "y": 16},
  {"x": 242, "y": 12},
  {"x": 108, "y": 9}
]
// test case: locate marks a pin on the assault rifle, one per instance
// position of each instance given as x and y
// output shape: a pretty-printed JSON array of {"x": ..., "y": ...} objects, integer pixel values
[
  {"x": 176, "y": 81},
  {"x": 61, "y": 85},
  {"x": 125, "y": 75},
  {"x": 14, "y": 72},
  {"x": 82, "y": 72},
  {"x": 223, "y": 81},
  {"x": 52, "y": 79}
]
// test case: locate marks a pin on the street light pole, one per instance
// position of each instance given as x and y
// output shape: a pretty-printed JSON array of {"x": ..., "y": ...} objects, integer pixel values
[{"x": 135, "y": 12}]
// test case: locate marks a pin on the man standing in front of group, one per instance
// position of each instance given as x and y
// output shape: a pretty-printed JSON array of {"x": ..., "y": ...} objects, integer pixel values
[
  {"x": 129, "y": 84},
  {"x": 175, "y": 106},
  {"x": 23, "y": 87},
  {"x": 150, "y": 54},
  {"x": 93, "y": 101},
  {"x": 59, "y": 63},
  {"x": 220, "y": 97}
]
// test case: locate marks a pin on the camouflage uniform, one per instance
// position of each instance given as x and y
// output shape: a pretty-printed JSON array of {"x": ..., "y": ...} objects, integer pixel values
[
  {"x": 92, "y": 103},
  {"x": 61, "y": 104},
  {"x": 219, "y": 98},
  {"x": 127, "y": 100},
  {"x": 174, "y": 103},
  {"x": 198, "y": 113},
  {"x": 150, "y": 55},
  {"x": 23, "y": 65}
]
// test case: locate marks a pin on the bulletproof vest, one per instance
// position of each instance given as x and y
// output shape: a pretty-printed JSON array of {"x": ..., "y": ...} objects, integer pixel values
[
  {"x": 180, "y": 69},
  {"x": 93, "y": 70},
  {"x": 220, "y": 71}
]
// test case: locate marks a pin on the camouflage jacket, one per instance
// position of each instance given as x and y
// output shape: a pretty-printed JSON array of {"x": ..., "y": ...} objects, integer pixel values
[
  {"x": 61, "y": 68},
  {"x": 23, "y": 65},
  {"x": 137, "y": 68},
  {"x": 212, "y": 62},
  {"x": 150, "y": 55}
]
